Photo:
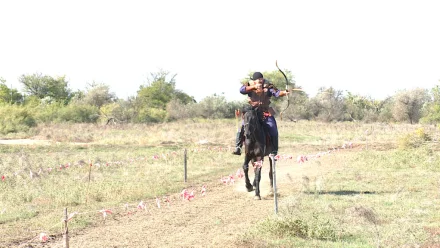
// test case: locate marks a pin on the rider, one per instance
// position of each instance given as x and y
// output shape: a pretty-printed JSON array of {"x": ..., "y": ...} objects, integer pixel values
[{"x": 259, "y": 91}]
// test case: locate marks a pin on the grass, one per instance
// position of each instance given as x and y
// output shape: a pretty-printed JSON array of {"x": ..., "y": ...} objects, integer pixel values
[
  {"x": 379, "y": 196},
  {"x": 379, "y": 199}
]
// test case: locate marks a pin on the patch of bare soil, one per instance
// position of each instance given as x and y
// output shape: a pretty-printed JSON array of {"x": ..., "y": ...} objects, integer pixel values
[
  {"x": 215, "y": 220},
  {"x": 36, "y": 142},
  {"x": 25, "y": 142}
]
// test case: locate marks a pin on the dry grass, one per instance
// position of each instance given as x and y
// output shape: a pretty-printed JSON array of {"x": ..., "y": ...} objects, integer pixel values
[{"x": 372, "y": 195}]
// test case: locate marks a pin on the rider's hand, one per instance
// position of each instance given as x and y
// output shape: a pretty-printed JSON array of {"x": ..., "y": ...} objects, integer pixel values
[{"x": 258, "y": 85}]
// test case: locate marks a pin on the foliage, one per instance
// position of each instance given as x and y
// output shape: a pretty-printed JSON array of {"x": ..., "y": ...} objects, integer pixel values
[
  {"x": 328, "y": 105},
  {"x": 177, "y": 110},
  {"x": 15, "y": 119},
  {"x": 158, "y": 100},
  {"x": 44, "y": 86},
  {"x": 120, "y": 111},
  {"x": 8, "y": 95},
  {"x": 216, "y": 107},
  {"x": 415, "y": 139},
  {"x": 76, "y": 113},
  {"x": 150, "y": 115},
  {"x": 432, "y": 107},
  {"x": 98, "y": 95},
  {"x": 153, "y": 98},
  {"x": 298, "y": 109},
  {"x": 408, "y": 105},
  {"x": 47, "y": 113},
  {"x": 362, "y": 108}
]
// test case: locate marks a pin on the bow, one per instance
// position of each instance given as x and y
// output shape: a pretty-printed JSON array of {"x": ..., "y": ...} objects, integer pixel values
[{"x": 287, "y": 84}]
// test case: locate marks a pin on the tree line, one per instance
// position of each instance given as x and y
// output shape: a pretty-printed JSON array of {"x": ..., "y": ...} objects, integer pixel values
[{"x": 47, "y": 99}]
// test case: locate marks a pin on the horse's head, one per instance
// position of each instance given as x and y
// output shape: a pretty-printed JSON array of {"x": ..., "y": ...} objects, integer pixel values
[{"x": 250, "y": 123}]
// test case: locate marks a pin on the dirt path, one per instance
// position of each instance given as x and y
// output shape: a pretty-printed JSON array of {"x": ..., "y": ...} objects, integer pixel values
[
  {"x": 215, "y": 220},
  {"x": 24, "y": 142}
]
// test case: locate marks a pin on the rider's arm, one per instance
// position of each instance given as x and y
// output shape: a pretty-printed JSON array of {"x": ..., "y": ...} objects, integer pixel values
[
  {"x": 278, "y": 93},
  {"x": 245, "y": 89}
]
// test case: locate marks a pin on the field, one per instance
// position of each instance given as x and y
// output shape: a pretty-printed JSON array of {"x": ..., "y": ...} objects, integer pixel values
[{"x": 363, "y": 185}]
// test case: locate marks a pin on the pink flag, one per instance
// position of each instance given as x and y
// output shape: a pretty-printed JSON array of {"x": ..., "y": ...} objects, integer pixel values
[
  {"x": 104, "y": 212},
  {"x": 203, "y": 191},
  {"x": 141, "y": 205},
  {"x": 43, "y": 237}
]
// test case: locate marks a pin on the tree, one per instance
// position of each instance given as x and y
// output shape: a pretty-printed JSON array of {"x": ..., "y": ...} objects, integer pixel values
[
  {"x": 408, "y": 105},
  {"x": 328, "y": 105},
  {"x": 158, "y": 91},
  {"x": 153, "y": 97},
  {"x": 363, "y": 108},
  {"x": 8, "y": 95},
  {"x": 432, "y": 108},
  {"x": 43, "y": 86},
  {"x": 99, "y": 95},
  {"x": 215, "y": 107}
]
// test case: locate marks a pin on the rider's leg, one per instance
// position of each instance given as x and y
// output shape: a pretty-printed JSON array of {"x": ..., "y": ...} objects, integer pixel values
[
  {"x": 239, "y": 141},
  {"x": 271, "y": 125}
]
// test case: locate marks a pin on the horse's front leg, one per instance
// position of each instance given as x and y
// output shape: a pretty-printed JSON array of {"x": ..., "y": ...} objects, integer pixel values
[
  {"x": 246, "y": 173},
  {"x": 257, "y": 182}
]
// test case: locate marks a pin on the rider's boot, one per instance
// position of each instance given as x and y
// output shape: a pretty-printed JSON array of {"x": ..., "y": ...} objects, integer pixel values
[
  {"x": 274, "y": 140},
  {"x": 239, "y": 142}
]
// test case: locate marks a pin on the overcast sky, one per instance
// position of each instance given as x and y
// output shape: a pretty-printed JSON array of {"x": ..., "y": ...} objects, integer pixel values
[{"x": 372, "y": 48}]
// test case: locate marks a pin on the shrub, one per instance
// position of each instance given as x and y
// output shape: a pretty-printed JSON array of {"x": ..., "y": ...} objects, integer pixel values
[
  {"x": 294, "y": 226},
  {"x": 414, "y": 140},
  {"x": 78, "y": 113},
  {"x": 15, "y": 119}
]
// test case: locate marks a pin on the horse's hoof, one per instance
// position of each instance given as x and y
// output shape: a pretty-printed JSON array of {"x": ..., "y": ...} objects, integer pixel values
[
  {"x": 257, "y": 197},
  {"x": 250, "y": 189}
]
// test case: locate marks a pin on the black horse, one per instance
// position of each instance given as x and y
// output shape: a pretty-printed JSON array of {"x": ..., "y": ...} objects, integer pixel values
[{"x": 257, "y": 145}]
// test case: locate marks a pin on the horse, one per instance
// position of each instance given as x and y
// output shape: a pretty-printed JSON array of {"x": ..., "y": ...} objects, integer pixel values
[{"x": 257, "y": 145}]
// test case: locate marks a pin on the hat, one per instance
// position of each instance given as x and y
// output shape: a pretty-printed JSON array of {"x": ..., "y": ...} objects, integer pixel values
[{"x": 257, "y": 75}]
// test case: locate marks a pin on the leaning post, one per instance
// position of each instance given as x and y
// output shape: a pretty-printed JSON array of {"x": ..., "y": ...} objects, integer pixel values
[{"x": 274, "y": 175}]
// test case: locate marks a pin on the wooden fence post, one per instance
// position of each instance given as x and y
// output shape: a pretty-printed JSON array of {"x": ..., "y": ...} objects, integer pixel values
[
  {"x": 274, "y": 175},
  {"x": 66, "y": 230},
  {"x": 184, "y": 166}
]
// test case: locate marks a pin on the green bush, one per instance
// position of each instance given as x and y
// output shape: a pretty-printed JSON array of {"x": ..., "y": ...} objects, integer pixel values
[
  {"x": 47, "y": 113},
  {"x": 15, "y": 119},
  {"x": 78, "y": 113},
  {"x": 415, "y": 139},
  {"x": 154, "y": 115}
]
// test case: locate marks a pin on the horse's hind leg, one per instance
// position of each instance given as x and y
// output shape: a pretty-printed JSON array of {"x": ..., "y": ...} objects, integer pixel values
[{"x": 246, "y": 174}]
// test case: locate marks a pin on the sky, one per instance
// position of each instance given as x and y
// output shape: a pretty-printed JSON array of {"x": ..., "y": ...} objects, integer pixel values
[{"x": 372, "y": 48}]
